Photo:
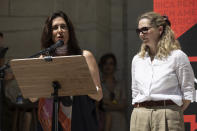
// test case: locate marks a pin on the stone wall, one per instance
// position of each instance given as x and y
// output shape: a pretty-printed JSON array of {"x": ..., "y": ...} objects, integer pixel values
[{"x": 22, "y": 22}]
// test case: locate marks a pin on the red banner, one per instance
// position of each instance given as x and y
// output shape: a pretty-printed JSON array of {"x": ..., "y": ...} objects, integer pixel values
[{"x": 182, "y": 13}]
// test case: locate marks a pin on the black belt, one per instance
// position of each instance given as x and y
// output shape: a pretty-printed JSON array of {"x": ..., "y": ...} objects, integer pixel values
[{"x": 154, "y": 103}]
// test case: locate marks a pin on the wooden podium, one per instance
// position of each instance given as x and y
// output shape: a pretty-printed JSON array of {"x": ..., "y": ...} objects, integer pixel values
[
  {"x": 53, "y": 77},
  {"x": 35, "y": 76}
]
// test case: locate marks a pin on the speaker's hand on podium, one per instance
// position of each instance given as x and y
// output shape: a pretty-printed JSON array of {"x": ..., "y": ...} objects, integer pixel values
[
  {"x": 33, "y": 99},
  {"x": 97, "y": 96}
]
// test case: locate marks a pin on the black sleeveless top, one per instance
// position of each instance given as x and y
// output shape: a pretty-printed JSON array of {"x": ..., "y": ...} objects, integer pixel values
[{"x": 84, "y": 116}]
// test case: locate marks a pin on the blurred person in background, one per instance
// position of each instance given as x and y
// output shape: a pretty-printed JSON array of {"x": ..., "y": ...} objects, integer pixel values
[{"x": 113, "y": 105}]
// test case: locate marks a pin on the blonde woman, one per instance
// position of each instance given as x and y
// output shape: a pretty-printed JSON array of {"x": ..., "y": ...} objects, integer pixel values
[{"x": 162, "y": 78}]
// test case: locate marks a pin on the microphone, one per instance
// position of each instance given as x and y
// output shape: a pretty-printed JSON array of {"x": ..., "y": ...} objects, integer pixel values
[
  {"x": 49, "y": 49},
  {"x": 54, "y": 46}
]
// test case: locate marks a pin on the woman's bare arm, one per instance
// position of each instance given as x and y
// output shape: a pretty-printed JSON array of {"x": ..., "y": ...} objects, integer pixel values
[{"x": 95, "y": 75}]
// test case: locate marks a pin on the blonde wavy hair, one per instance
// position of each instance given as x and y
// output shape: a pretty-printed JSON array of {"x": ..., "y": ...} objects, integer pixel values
[{"x": 167, "y": 41}]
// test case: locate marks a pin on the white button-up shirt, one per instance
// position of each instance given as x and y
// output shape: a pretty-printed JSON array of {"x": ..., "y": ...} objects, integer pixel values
[{"x": 171, "y": 78}]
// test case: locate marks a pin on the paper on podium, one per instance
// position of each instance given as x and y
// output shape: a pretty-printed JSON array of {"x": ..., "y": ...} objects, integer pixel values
[{"x": 35, "y": 76}]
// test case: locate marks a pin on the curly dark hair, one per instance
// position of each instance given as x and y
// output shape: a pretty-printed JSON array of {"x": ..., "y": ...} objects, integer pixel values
[
  {"x": 46, "y": 39},
  {"x": 1, "y": 34},
  {"x": 104, "y": 59}
]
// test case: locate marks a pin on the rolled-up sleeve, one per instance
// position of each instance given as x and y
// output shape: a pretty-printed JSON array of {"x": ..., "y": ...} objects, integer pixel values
[{"x": 185, "y": 76}]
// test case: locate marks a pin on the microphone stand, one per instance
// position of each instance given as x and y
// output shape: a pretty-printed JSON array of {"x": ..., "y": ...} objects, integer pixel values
[
  {"x": 56, "y": 87},
  {"x": 2, "y": 92}
]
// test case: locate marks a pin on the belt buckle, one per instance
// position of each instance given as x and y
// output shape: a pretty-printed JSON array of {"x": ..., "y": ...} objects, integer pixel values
[{"x": 137, "y": 105}]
